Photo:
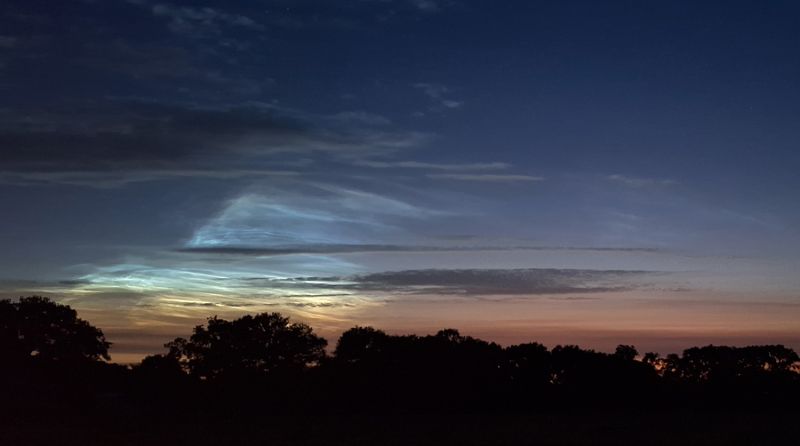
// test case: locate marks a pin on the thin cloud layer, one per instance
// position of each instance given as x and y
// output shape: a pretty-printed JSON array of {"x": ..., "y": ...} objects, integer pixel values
[
  {"x": 433, "y": 166},
  {"x": 640, "y": 181},
  {"x": 439, "y": 95},
  {"x": 184, "y": 19},
  {"x": 312, "y": 248},
  {"x": 485, "y": 177},
  {"x": 473, "y": 282},
  {"x": 312, "y": 218},
  {"x": 159, "y": 140}
]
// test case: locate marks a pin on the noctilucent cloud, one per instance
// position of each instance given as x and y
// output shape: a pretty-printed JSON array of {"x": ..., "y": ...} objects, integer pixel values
[{"x": 566, "y": 172}]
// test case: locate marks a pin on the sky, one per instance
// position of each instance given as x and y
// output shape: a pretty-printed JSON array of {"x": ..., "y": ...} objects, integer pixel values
[{"x": 567, "y": 172}]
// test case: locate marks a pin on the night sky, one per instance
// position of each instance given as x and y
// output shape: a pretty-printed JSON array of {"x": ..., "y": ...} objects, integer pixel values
[{"x": 595, "y": 172}]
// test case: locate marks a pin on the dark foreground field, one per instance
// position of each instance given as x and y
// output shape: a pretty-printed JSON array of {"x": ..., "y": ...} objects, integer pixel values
[
  {"x": 261, "y": 380},
  {"x": 576, "y": 428}
]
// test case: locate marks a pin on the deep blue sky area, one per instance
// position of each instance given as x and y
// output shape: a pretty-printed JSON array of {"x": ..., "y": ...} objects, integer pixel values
[{"x": 160, "y": 160}]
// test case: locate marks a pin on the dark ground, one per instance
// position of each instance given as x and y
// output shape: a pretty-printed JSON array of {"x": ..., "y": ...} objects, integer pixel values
[{"x": 584, "y": 428}]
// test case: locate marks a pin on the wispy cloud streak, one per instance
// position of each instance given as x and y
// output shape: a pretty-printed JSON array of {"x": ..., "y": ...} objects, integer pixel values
[{"x": 495, "y": 178}]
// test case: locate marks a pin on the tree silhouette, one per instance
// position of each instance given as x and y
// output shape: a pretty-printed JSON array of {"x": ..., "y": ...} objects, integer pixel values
[
  {"x": 164, "y": 367},
  {"x": 528, "y": 364},
  {"x": 726, "y": 365},
  {"x": 758, "y": 359},
  {"x": 233, "y": 368},
  {"x": 36, "y": 328},
  {"x": 626, "y": 352},
  {"x": 362, "y": 344},
  {"x": 260, "y": 344}
]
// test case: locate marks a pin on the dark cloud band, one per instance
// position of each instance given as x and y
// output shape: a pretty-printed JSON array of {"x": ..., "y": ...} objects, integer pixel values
[{"x": 475, "y": 282}]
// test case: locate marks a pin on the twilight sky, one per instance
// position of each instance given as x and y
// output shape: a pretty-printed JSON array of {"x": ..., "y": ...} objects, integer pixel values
[{"x": 595, "y": 172}]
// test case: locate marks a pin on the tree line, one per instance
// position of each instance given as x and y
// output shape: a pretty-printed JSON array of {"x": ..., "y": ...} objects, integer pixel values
[{"x": 267, "y": 362}]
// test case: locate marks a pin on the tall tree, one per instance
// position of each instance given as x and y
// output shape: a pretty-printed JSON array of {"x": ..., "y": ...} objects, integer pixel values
[
  {"x": 36, "y": 328},
  {"x": 260, "y": 344}
]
